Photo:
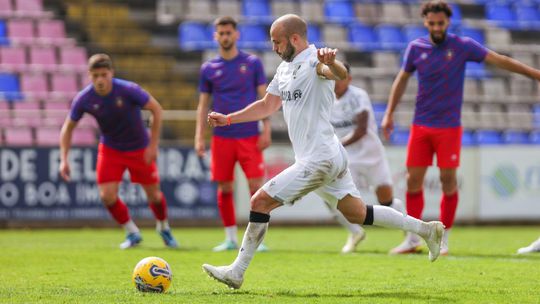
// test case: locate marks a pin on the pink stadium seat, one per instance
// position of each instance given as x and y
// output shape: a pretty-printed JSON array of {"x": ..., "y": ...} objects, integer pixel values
[
  {"x": 21, "y": 31},
  {"x": 34, "y": 86},
  {"x": 73, "y": 58},
  {"x": 52, "y": 32},
  {"x": 55, "y": 113},
  {"x": 47, "y": 136},
  {"x": 43, "y": 59},
  {"x": 18, "y": 137},
  {"x": 84, "y": 137},
  {"x": 27, "y": 113},
  {"x": 31, "y": 8},
  {"x": 13, "y": 59},
  {"x": 6, "y": 9},
  {"x": 5, "y": 114},
  {"x": 64, "y": 86}
]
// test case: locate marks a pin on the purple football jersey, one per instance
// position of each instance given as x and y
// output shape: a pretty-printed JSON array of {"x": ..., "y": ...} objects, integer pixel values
[
  {"x": 441, "y": 75},
  {"x": 118, "y": 114},
  {"x": 233, "y": 85}
]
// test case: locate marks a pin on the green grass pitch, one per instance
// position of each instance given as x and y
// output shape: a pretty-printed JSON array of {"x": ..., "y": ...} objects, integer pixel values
[{"x": 303, "y": 266}]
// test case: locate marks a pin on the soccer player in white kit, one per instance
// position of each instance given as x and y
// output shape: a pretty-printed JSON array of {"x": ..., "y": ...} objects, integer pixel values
[
  {"x": 354, "y": 123},
  {"x": 303, "y": 85}
]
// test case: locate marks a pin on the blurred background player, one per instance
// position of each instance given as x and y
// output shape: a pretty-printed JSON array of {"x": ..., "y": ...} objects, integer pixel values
[
  {"x": 533, "y": 247},
  {"x": 354, "y": 123},
  {"x": 440, "y": 64},
  {"x": 116, "y": 105},
  {"x": 234, "y": 79}
]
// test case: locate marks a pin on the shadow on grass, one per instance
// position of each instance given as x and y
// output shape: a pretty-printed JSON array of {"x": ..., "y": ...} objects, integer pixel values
[{"x": 377, "y": 296}]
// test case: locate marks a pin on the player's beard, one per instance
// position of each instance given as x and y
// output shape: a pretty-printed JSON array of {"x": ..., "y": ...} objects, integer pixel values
[
  {"x": 288, "y": 53},
  {"x": 226, "y": 45},
  {"x": 440, "y": 39}
]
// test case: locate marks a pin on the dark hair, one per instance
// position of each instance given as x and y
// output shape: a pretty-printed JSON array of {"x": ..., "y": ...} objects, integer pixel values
[
  {"x": 348, "y": 67},
  {"x": 436, "y": 6},
  {"x": 225, "y": 20},
  {"x": 98, "y": 61}
]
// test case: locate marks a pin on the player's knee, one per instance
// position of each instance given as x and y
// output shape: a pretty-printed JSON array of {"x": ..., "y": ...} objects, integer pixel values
[
  {"x": 154, "y": 196},
  {"x": 414, "y": 181},
  {"x": 108, "y": 197},
  {"x": 260, "y": 202},
  {"x": 448, "y": 179},
  {"x": 225, "y": 187}
]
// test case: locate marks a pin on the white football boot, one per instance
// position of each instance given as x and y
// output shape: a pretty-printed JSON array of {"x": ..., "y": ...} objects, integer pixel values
[
  {"x": 533, "y": 247},
  {"x": 225, "y": 275},
  {"x": 433, "y": 238},
  {"x": 353, "y": 240},
  {"x": 411, "y": 244}
]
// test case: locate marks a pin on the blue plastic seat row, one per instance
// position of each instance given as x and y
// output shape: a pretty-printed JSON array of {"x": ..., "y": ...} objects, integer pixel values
[
  {"x": 3, "y": 33},
  {"x": 196, "y": 36},
  {"x": 517, "y": 15}
]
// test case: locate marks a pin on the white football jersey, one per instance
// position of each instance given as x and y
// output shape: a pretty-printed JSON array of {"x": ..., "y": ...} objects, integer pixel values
[
  {"x": 307, "y": 102},
  {"x": 369, "y": 149}
]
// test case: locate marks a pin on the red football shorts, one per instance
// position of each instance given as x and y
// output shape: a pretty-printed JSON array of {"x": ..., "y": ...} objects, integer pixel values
[
  {"x": 426, "y": 141},
  {"x": 227, "y": 151},
  {"x": 112, "y": 163}
]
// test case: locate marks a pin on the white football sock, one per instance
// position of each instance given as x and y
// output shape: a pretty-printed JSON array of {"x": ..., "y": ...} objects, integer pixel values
[
  {"x": 162, "y": 225},
  {"x": 388, "y": 217},
  {"x": 230, "y": 234},
  {"x": 130, "y": 227},
  {"x": 398, "y": 205},
  {"x": 252, "y": 239}
]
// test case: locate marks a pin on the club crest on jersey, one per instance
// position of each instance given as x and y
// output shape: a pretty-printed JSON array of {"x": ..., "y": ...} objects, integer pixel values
[
  {"x": 95, "y": 106},
  {"x": 119, "y": 102},
  {"x": 449, "y": 55},
  {"x": 423, "y": 56},
  {"x": 218, "y": 73},
  {"x": 243, "y": 68}
]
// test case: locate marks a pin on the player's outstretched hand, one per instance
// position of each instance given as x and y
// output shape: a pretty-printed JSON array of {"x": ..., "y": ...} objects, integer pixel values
[
  {"x": 65, "y": 171},
  {"x": 150, "y": 154},
  {"x": 216, "y": 119},
  {"x": 387, "y": 126},
  {"x": 327, "y": 55}
]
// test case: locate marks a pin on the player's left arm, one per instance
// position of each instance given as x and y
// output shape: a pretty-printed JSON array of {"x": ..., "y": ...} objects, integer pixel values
[
  {"x": 512, "y": 65},
  {"x": 151, "y": 151},
  {"x": 265, "y": 139},
  {"x": 360, "y": 130},
  {"x": 328, "y": 66}
]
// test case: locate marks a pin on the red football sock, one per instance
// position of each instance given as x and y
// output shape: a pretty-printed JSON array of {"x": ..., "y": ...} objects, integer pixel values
[
  {"x": 415, "y": 204},
  {"x": 159, "y": 209},
  {"x": 448, "y": 209},
  {"x": 226, "y": 208},
  {"x": 119, "y": 212}
]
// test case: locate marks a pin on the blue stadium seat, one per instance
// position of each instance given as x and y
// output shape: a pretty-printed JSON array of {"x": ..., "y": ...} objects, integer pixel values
[
  {"x": 456, "y": 14},
  {"x": 3, "y": 37},
  {"x": 9, "y": 87},
  {"x": 527, "y": 15},
  {"x": 474, "y": 33},
  {"x": 500, "y": 14},
  {"x": 399, "y": 137},
  {"x": 468, "y": 139},
  {"x": 536, "y": 116},
  {"x": 253, "y": 36},
  {"x": 390, "y": 37},
  {"x": 257, "y": 10},
  {"x": 195, "y": 36},
  {"x": 488, "y": 137},
  {"x": 534, "y": 138},
  {"x": 412, "y": 32},
  {"x": 363, "y": 37},
  {"x": 314, "y": 35},
  {"x": 514, "y": 137},
  {"x": 339, "y": 11}
]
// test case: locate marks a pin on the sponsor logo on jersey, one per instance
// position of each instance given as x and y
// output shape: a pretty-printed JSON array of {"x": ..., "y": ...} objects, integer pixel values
[
  {"x": 449, "y": 55},
  {"x": 291, "y": 96},
  {"x": 119, "y": 102},
  {"x": 423, "y": 56}
]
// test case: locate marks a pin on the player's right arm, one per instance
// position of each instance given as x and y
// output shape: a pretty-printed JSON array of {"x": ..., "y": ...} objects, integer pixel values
[
  {"x": 202, "y": 112},
  {"x": 398, "y": 88},
  {"x": 65, "y": 144},
  {"x": 256, "y": 111}
]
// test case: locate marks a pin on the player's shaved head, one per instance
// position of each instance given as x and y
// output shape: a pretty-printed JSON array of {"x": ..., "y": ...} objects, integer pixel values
[{"x": 290, "y": 24}]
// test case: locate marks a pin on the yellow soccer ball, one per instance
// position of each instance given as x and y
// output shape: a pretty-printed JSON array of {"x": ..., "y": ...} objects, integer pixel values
[{"x": 152, "y": 274}]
